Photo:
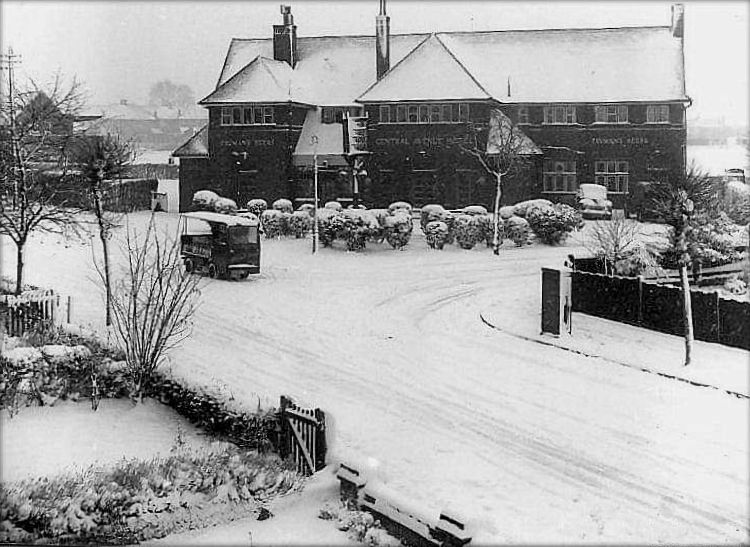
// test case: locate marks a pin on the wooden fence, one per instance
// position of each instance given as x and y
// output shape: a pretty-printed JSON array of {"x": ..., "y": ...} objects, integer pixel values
[
  {"x": 25, "y": 312},
  {"x": 658, "y": 307},
  {"x": 302, "y": 436}
]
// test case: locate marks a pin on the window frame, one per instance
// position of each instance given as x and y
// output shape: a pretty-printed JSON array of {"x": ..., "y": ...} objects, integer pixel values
[
  {"x": 387, "y": 109},
  {"x": 613, "y": 171},
  {"x": 246, "y": 115},
  {"x": 657, "y": 109},
  {"x": 560, "y": 114},
  {"x": 523, "y": 115},
  {"x": 562, "y": 173},
  {"x": 605, "y": 113},
  {"x": 426, "y": 113}
]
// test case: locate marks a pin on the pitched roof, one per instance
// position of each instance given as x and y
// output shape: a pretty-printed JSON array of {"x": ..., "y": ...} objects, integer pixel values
[
  {"x": 553, "y": 65},
  {"x": 197, "y": 145},
  {"x": 576, "y": 65},
  {"x": 329, "y": 146},
  {"x": 414, "y": 77}
]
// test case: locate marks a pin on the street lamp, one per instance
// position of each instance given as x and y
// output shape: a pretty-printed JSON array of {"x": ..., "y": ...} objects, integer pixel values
[{"x": 314, "y": 142}]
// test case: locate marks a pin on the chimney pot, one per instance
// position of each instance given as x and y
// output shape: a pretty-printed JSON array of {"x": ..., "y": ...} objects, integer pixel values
[
  {"x": 382, "y": 42},
  {"x": 285, "y": 38}
]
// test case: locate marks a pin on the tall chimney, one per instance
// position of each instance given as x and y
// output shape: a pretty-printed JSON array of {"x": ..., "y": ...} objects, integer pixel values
[
  {"x": 678, "y": 20},
  {"x": 382, "y": 42},
  {"x": 285, "y": 38}
]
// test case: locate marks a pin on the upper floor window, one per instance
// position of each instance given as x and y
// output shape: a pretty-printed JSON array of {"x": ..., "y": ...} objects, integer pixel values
[
  {"x": 657, "y": 113},
  {"x": 424, "y": 113},
  {"x": 247, "y": 115},
  {"x": 560, "y": 176},
  {"x": 611, "y": 113},
  {"x": 560, "y": 114},
  {"x": 336, "y": 114},
  {"x": 523, "y": 114}
]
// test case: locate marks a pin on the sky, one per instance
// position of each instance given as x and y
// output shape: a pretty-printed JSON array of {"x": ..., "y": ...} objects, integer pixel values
[{"x": 118, "y": 49}]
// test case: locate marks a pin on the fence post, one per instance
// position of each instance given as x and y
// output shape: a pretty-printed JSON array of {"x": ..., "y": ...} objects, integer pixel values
[
  {"x": 70, "y": 306},
  {"x": 640, "y": 300}
]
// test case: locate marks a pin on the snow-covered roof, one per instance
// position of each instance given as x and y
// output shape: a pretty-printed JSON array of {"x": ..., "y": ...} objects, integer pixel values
[
  {"x": 557, "y": 65},
  {"x": 329, "y": 146},
  {"x": 229, "y": 220},
  {"x": 197, "y": 145}
]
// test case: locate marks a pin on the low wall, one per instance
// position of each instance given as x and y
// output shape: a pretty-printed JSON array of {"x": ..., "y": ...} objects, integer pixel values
[{"x": 659, "y": 307}]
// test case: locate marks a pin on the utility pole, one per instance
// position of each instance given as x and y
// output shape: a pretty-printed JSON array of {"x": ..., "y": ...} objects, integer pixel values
[
  {"x": 8, "y": 62},
  {"x": 314, "y": 142}
]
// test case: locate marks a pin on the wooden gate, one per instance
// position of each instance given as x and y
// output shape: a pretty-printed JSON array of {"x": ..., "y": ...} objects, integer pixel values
[
  {"x": 303, "y": 436},
  {"x": 22, "y": 313}
]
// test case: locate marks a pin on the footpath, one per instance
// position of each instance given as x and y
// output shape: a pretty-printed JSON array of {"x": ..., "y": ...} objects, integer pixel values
[{"x": 714, "y": 366}]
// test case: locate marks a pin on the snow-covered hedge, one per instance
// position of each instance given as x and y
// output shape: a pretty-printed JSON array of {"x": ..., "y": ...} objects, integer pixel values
[
  {"x": 396, "y": 205},
  {"x": 358, "y": 226},
  {"x": 283, "y": 205},
  {"x": 467, "y": 231},
  {"x": 330, "y": 224},
  {"x": 308, "y": 208},
  {"x": 487, "y": 229},
  {"x": 257, "y": 206},
  {"x": 506, "y": 212},
  {"x": 474, "y": 210},
  {"x": 225, "y": 206},
  {"x": 333, "y": 205},
  {"x": 522, "y": 208},
  {"x": 436, "y": 234},
  {"x": 203, "y": 200},
  {"x": 275, "y": 224},
  {"x": 136, "y": 500},
  {"x": 517, "y": 229},
  {"x": 398, "y": 228},
  {"x": 360, "y": 526},
  {"x": 300, "y": 223},
  {"x": 553, "y": 224}
]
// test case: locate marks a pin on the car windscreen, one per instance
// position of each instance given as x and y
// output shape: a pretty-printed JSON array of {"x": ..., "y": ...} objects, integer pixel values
[{"x": 242, "y": 235}]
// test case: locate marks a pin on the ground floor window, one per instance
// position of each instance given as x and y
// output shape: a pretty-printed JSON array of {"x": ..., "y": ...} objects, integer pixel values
[
  {"x": 613, "y": 174},
  {"x": 560, "y": 176}
]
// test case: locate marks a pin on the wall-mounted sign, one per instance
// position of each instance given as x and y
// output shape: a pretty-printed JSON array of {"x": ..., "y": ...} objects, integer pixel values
[
  {"x": 357, "y": 134},
  {"x": 421, "y": 141},
  {"x": 246, "y": 142},
  {"x": 633, "y": 141}
]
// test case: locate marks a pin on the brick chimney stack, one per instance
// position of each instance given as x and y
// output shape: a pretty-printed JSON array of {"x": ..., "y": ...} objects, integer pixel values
[
  {"x": 678, "y": 20},
  {"x": 285, "y": 38},
  {"x": 382, "y": 42}
]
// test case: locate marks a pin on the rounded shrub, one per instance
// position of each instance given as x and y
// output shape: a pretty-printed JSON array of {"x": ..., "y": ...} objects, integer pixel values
[
  {"x": 300, "y": 223},
  {"x": 283, "y": 205},
  {"x": 398, "y": 228},
  {"x": 272, "y": 220},
  {"x": 257, "y": 206},
  {"x": 358, "y": 226},
  {"x": 506, "y": 212},
  {"x": 552, "y": 225},
  {"x": 517, "y": 229},
  {"x": 330, "y": 226},
  {"x": 225, "y": 206},
  {"x": 474, "y": 210},
  {"x": 333, "y": 205},
  {"x": 203, "y": 200},
  {"x": 436, "y": 234},
  {"x": 521, "y": 209},
  {"x": 396, "y": 205},
  {"x": 466, "y": 231},
  {"x": 380, "y": 215},
  {"x": 487, "y": 229},
  {"x": 426, "y": 214},
  {"x": 308, "y": 208}
]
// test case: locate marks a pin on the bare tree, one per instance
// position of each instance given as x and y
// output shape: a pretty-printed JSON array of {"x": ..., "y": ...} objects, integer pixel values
[
  {"x": 680, "y": 201},
  {"x": 100, "y": 160},
  {"x": 38, "y": 123},
  {"x": 502, "y": 150},
  {"x": 153, "y": 303}
]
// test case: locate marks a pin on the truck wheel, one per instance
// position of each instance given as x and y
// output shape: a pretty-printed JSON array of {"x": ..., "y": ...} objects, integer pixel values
[
  {"x": 213, "y": 271},
  {"x": 189, "y": 265}
]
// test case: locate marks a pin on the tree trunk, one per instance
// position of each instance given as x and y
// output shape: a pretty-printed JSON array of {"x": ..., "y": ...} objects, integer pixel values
[
  {"x": 687, "y": 315},
  {"x": 104, "y": 237},
  {"x": 19, "y": 266},
  {"x": 496, "y": 216}
]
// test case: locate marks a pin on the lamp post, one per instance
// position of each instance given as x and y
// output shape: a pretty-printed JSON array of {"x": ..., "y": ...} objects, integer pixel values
[{"x": 314, "y": 142}]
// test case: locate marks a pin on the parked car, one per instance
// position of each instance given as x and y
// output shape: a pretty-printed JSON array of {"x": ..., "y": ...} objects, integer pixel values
[{"x": 593, "y": 202}]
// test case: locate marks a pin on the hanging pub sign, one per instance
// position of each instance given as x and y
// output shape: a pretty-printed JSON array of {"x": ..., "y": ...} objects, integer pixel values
[{"x": 355, "y": 135}]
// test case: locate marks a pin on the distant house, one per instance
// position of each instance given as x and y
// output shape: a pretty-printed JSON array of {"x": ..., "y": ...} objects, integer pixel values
[
  {"x": 152, "y": 128},
  {"x": 603, "y": 105}
]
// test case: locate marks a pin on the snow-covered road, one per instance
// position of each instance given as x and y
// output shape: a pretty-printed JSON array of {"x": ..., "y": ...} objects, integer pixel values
[{"x": 533, "y": 443}]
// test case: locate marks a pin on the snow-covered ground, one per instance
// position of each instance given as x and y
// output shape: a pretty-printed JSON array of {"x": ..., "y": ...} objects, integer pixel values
[{"x": 532, "y": 443}]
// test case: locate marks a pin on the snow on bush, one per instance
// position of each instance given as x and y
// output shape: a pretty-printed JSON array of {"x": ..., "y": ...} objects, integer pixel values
[
  {"x": 506, "y": 212},
  {"x": 487, "y": 229},
  {"x": 466, "y": 231},
  {"x": 272, "y": 221},
  {"x": 333, "y": 205},
  {"x": 330, "y": 224},
  {"x": 249, "y": 215},
  {"x": 23, "y": 357},
  {"x": 203, "y": 200},
  {"x": 436, "y": 234},
  {"x": 58, "y": 354},
  {"x": 358, "y": 226},
  {"x": 428, "y": 213},
  {"x": 136, "y": 500},
  {"x": 380, "y": 215},
  {"x": 398, "y": 228},
  {"x": 300, "y": 223},
  {"x": 736, "y": 201},
  {"x": 396, "y": 205},
  {"x": 474, "y": 210},
  {"x": 283, "y": 205},
  {"x": 225, "y": 206},
  {"x": 517, "y": 229},
  {"x": 308, "y": 208},
  {"x": 521, "y": 209},
  {"x": 257, "y": 206},
  {"x": 552, "y": 225},
  {"x": 360, "y": 525}
]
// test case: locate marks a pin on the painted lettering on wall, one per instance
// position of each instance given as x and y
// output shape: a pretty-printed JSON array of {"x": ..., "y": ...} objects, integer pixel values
[
  {"x": 421, "y": 141},
  {"x": 246, "y": 142},
  {"x": 636, "y": 141}
]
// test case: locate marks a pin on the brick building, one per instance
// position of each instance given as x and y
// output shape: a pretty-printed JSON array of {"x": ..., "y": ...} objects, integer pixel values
[{"x": 600, "y": 105}]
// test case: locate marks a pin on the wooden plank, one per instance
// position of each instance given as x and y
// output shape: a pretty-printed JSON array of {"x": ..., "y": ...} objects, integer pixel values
[
  {"x": 301, "y": 445},
  {"x": 307, "y": 416}
]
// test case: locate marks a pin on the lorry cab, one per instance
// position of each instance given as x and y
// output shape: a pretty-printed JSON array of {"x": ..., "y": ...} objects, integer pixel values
[{"x": 223, "y": 246}]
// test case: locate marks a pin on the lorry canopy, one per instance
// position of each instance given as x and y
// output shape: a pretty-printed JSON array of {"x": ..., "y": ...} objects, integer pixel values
[{"x": 228, "y": 220}]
